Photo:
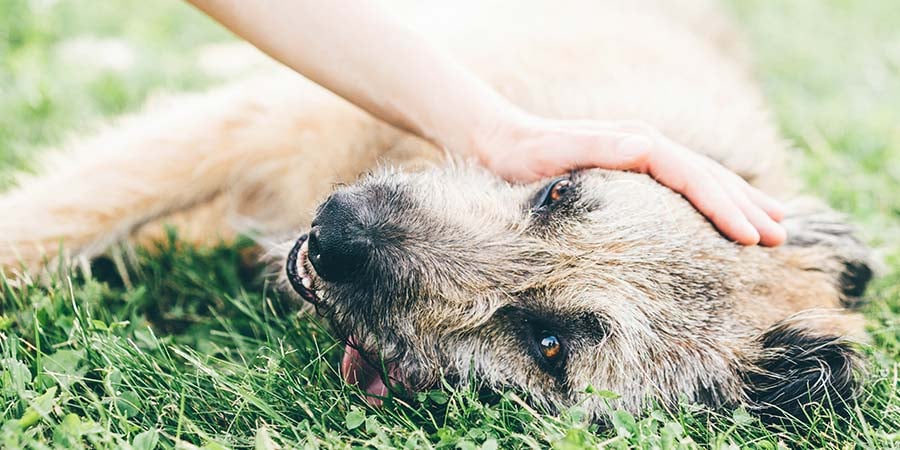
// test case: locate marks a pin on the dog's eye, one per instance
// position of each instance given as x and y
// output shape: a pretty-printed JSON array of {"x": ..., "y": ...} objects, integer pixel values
[
  {"x": 550, "y": 346},
  {"x": 552, "y": 192},
  {"x": 559, "y": 190}
]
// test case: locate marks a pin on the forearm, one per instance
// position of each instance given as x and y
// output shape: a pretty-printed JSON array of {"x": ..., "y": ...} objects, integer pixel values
[{"x": 362, "y": 54}]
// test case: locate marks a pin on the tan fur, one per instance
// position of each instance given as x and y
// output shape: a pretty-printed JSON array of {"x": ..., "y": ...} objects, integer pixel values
[
  {"x": 261, "y": 154},
  {"x": 239, "y": 140}
]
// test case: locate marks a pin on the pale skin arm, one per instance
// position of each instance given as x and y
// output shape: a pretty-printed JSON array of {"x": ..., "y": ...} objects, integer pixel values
[{"x": 362, "y": 54}]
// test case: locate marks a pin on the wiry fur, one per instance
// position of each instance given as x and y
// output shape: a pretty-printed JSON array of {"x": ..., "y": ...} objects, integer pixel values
[{"x": 650, "y": 301}]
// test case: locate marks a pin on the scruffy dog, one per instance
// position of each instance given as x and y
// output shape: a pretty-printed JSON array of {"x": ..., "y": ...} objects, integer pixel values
[{"x": 598, "y": 278}]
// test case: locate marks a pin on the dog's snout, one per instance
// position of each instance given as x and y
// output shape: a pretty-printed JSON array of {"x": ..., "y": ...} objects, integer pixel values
[{"x": 338, "y": 242}]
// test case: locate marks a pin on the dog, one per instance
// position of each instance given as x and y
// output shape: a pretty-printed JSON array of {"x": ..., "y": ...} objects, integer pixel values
[{"x": 432, "y": 268}]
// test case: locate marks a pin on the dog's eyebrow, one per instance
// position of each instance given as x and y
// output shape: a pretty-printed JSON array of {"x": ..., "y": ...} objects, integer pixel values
[
  {"x": 588, "y": 327},
  {"x": 574, "y": 205}
]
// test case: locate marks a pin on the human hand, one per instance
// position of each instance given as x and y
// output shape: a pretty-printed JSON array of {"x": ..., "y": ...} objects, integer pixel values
[
  {"x": 529, "y": 148},
  {"x": 521, "y": 148}
]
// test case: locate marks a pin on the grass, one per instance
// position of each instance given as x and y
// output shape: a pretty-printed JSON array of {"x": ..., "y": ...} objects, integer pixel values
[{"x": 191, "y": 348}]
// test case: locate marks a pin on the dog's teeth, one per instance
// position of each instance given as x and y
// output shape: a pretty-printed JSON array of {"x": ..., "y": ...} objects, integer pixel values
[
  {"x": 307, "y": 283},
  {"x": 301, "y": 270}
]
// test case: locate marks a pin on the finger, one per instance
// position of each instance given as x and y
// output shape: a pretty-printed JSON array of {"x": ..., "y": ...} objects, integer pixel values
[
  {"x": 774, "y": 208},
  {"x": 771, "y": 233},
  {"x": 625, "y": 151},
  {"x": 605, "y": 149},
  {"x": 670, "y": 166},
  {"x": 673, "y": 168},
  {"x": 706, "y": 194}
]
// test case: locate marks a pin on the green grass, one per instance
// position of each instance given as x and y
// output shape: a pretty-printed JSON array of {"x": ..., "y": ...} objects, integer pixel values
[{"x": 193, "y": 348}]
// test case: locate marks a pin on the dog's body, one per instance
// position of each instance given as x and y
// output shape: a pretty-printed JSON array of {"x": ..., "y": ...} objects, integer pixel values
[
  {"x": 238, "y": 152},
  {"x": 656, "y": 304}
]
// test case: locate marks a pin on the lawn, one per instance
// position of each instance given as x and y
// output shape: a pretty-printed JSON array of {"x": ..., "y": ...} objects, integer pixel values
[{"x": 192, "y": 348}]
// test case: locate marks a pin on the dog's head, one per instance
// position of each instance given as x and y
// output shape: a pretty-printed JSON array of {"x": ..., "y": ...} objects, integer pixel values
[{"x": 602, "y": 279}]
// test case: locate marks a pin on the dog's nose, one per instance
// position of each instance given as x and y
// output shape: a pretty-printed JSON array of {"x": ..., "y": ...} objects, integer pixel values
[{"x": 338, "y": 242}]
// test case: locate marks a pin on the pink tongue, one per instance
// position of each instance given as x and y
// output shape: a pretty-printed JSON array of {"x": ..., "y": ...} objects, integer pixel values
[{"x": 356, "y": 370}]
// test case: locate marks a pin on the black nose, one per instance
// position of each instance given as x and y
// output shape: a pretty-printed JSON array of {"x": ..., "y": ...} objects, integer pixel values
[{"x": 338, "y": 242}]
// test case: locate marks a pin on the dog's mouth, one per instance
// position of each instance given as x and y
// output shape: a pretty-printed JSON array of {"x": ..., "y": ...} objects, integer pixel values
[
  {"x": 357, "y": 366},
  {"x": 300, "y": 272}
]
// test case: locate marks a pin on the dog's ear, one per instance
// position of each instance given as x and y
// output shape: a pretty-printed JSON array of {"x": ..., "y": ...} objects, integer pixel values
[
  {"x": 830, "y": 244},
  {"x": 798, "y": 370}
]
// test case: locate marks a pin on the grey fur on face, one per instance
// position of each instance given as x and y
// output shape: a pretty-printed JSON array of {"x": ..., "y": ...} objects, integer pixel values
[
  {"x": 619, "y": 284},
  {"x": 458, "y": 274}
]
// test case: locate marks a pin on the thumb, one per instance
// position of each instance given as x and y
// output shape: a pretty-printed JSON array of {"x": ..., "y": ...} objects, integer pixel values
[
  {"x": 631, "y": 152},
  {"x": 610, "y": 150}
]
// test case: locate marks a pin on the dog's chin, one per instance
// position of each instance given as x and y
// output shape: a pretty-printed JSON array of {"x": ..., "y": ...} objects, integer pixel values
[{"x": 356, "y": 367}]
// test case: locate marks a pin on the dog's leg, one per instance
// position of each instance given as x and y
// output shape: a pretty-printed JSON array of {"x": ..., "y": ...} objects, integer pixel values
[{"x": 265, "y": 150}]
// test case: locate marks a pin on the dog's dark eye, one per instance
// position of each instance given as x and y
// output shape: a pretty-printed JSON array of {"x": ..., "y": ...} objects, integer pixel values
[
  {"x": 550, "y": 347},
  {"x": 552, "y": 192}
]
